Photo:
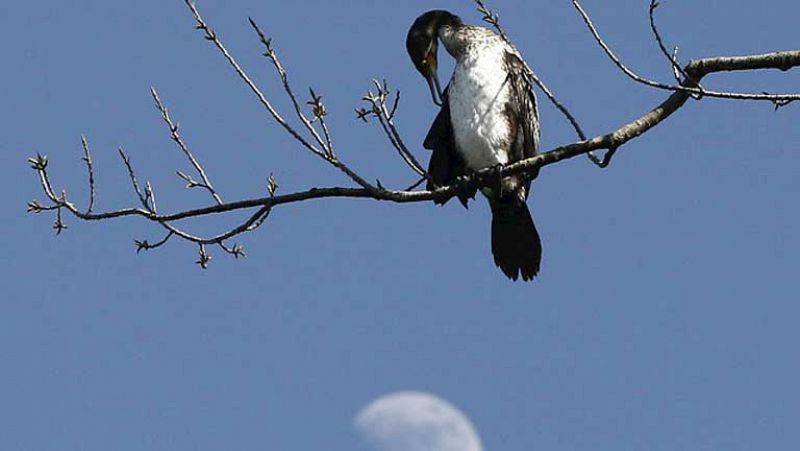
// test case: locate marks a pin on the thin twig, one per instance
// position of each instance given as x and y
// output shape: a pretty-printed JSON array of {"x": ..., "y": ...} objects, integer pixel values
[
  {"x": 151, "y": 196},
  {"x": 246, "y": 226},
  {"x": 204, "y": 258},
  {"x": 87, "y": 158},
  {"x": 493, "y": 19},
  {"x": 211, "y": 36},
  {"x": 214, "y": 39},
  {"x": 417, "y": 184},
  {"x": 176, "y": 137},
  {"x": 59, "y": 225},
  {"x": 272, "y": 55},
  {"x": 134, "y": 181},
  {"x": 610, "y": 141},
  {"x": 689, "y": 88},
  {"x": 320, "y": 111},
  {"x": 148, "y": 208},
  {"x": 379, "y": 109},
  {"x": 147, "y": 199},
  {"x": 236, "y": 250},
  {"x": 328, "y": 139},
  {"x": 144, "y": 245},
  {"x": 671, "y": 57},
  {"x": 263, "y": 206}
]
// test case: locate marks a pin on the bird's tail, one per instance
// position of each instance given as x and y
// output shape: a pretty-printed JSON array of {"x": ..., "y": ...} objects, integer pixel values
[{"x": 516, "y": 246}]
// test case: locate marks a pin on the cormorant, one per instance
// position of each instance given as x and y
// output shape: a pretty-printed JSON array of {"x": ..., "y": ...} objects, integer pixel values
[{"x": 488, "y": 118}]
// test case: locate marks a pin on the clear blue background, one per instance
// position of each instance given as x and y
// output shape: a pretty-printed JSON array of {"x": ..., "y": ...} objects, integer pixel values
[{"x": 665, "y": 316}]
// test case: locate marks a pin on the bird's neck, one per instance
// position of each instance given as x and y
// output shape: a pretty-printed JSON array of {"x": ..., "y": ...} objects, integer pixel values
[{"x": 459, "y": 41}]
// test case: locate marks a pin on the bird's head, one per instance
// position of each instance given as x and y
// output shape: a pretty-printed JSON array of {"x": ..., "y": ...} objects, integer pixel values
[{"x": 422, "y": 44}]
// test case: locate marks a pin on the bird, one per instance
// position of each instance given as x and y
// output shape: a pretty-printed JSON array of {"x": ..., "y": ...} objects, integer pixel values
[{"x": 488, "y": 118}]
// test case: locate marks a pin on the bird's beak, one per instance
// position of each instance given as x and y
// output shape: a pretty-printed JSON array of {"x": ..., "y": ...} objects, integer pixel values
[{"x": 432, "y": 76}]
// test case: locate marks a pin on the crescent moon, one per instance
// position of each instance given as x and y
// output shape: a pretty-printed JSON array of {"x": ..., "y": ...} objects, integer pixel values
[{"x": 416, "y": 421}]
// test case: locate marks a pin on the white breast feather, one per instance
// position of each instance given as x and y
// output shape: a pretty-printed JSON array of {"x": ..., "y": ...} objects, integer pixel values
[{"x": 478, "y": 95}]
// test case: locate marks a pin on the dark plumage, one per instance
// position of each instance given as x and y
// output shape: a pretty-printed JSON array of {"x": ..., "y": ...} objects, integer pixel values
[
  {"x": 446, "y": 165},
  {"x": 488, "y": 118}
]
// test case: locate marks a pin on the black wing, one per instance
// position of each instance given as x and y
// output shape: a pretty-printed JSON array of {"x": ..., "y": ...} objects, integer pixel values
[
  {"x": 445, "y": 165},
  {"x": 516, "y": 245},
  {"x": 523, "y": 115},
  {"x": 522, "y": 109}
]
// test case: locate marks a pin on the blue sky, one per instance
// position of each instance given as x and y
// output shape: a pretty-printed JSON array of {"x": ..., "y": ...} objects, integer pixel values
[{"x": 665, "y": 316}]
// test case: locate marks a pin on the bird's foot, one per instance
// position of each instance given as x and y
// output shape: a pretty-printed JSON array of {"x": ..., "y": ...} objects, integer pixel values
[
  {"x": 465, "y": 192},
  {"x": 495, "y": 178}
]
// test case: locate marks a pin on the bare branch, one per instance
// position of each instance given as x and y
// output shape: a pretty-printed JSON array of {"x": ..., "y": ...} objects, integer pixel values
[
  {"x": 677, "y": 70},
  {"x": 384, "y": 107},
  {"x": 59, "y": 225},
  {"x": 611, "y": 141},
  {"x": 204, "y": 258},
  {"x": 144, "y": 245},
  {"x": 87, "y": 158},
  {"x": 284, "y": 76},
  {"x": 690, "y": 87},
  {"x": 236, "y": 250},
  {"x": 176, "y": 137},
  {"x": 150, "y": 195},
  {"x": 148, "y": 210},
  {"x": 493, "y": 19},
  {"x": 320, "y": 111},
  {"x": 211, "y": 36},
  {"x": 379, "y": 109},
  {"x": 134, "y": 181}
]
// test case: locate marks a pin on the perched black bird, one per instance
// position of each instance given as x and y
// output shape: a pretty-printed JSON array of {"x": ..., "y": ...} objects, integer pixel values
[{"x": 488, "y": 118}]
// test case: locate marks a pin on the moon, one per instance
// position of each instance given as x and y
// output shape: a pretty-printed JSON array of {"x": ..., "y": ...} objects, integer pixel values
[{"x": 416, "y": 421}]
